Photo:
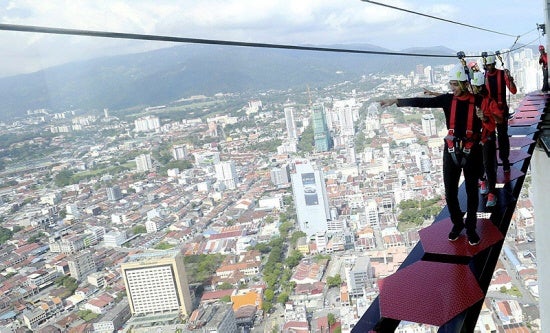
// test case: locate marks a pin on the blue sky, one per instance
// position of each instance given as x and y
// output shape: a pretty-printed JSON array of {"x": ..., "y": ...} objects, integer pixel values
[{"x": 311, "y": 22}]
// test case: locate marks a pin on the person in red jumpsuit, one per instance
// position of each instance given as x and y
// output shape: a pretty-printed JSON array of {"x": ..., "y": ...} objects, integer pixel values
[
  {"x": 543, "y": 61},
  {"x": 496, "y": 82},
  {"x": 462, "y": 152},
  {"x": 490, "y": 115}
]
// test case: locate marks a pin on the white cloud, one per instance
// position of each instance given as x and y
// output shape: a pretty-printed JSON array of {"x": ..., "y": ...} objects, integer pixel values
[{"x": 266, "y": 21}]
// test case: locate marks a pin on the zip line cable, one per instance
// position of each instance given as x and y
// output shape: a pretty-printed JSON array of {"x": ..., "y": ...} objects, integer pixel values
[
  {"x": 107, "y": 34},
  {"x": 528, "y": 32},
  {"x": 119, "y": 35},
  {"x": 438, "y": 18}
]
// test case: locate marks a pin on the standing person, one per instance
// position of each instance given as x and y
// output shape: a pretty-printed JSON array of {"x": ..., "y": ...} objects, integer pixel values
[
  {"x": 462, "y": 151},
  {"x": 473, "y": 67},
  {"x": 490, "y": 115},
  {"x": 496, "y": 81},
  {"x": 543, "y": 61}
]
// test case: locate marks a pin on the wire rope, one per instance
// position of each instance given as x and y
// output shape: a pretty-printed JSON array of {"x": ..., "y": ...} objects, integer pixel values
[
  {"x": 119, "y": 35},
  {"x": 438, "y": 18}
]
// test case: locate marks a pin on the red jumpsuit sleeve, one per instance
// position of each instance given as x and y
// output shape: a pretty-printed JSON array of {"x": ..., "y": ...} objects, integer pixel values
[
  {"x": 513, "y": 89},
  {"x": 493, "y": 110}
]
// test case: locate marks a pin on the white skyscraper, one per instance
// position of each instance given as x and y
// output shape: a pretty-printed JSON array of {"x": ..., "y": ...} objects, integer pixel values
[
  {"x": 290, "y": 123},
  {"x": 227, "y": 174},
  {"x": 310, "y": 198},
  {"x": 144, "y": 162},
  {"x": 371, "y": 213},
  {"x": 147, "y": 124},
  {"x": 179, "y": 152},
  {"x": 428, "y": 125},
  {"x": 347, "y": 114}
]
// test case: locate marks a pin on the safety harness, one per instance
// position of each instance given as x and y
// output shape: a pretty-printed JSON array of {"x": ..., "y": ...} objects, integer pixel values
[
  {"x": 499, "y": 87},
  {"x": 460, "y": 148},
  {"x": 489, "y": 124}
]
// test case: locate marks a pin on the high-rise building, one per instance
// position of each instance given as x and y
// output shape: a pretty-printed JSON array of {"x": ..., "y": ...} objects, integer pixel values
[
  {"x": 227, "y": 174},
  {"x": 81, "y": 265},
  {"x": 72, "y": 209},
  {"x": 347, "y": 113},
  {"x": 114, "y": 193},
  {"x": 147, "y": 124},
  {"x": 310, "y": 198},
  {"x": 372, "y": 217},
  {"x": 280, "y": 176},
  {"x": 114, "y": 238},
  {"x": 156, "y": 282},
  {"x": 290, "y": 123},
  {"x": 428, "y": 125},
  {"x": 429, "y": 74},
  {"x": 144, "y": 162},
  {"x": 179, "y": 152},
  {"x": 358, "y": 276},
  {"x": 321, "y": 133}
]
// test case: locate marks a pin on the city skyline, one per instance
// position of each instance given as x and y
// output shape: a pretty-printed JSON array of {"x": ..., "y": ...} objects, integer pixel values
[{"x": 66, "y": 193}]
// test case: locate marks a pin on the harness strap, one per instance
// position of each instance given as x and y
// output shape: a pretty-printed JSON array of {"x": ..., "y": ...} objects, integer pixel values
[
  {"x": 466, "y": 145},
  {"x": 499, "y": 76}
]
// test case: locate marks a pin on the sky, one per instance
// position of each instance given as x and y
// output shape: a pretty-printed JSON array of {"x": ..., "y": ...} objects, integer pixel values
[{"x": 302, "y": 22}]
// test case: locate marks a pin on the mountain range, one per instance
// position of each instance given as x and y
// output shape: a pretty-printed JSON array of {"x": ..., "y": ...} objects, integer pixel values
[{"x": 164, "y": 75}]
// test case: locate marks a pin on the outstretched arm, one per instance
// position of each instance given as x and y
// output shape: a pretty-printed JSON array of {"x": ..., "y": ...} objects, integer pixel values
[
  {"x": 431, "y": 93},
  {"x": 510, "y": 82},
  {"x": 387, "y": 102}
]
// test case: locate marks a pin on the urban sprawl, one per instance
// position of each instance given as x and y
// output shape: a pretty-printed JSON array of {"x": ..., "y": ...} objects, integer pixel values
[{"x": 279, "y": 215}]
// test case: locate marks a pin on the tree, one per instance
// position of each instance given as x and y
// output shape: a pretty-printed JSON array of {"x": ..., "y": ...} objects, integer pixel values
[
  {"x": 295, "y": 236},
  {"x": 267, "y": 306},
  {"x": 139, "y": 229},
  {"x": 5, "y": 235},
  {"x": 17, "y": 228},
  {"x": 331, "y": 319},
  {"x": 87, "y": 315},
  {"x": 225, "y": 286},
  {"x": 334, "y": 281},
  {"x": 360, "y": 141},
  {"x": 282, "y": 298},
  {"x": 36, "y": 237},
  {"x": 64, "y": 178},
  {"x": 306, "y": 142},
  {"x": 269, "y": 295},
  {"x": 262, "y": 247},
  {"x": 200, "y": 267},
  {"x": 163, "y": 246},
  {"x": 294, "y": 259},
  {"x": 284, "y": 228}
]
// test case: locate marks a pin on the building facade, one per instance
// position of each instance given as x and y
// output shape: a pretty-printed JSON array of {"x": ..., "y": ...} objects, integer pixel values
[
  {"x": 310, "y": 198},
  {"x": 81, "y": 265},
  {"x": 156, "y": 282},
  {"x": 321, "y": 133}
]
